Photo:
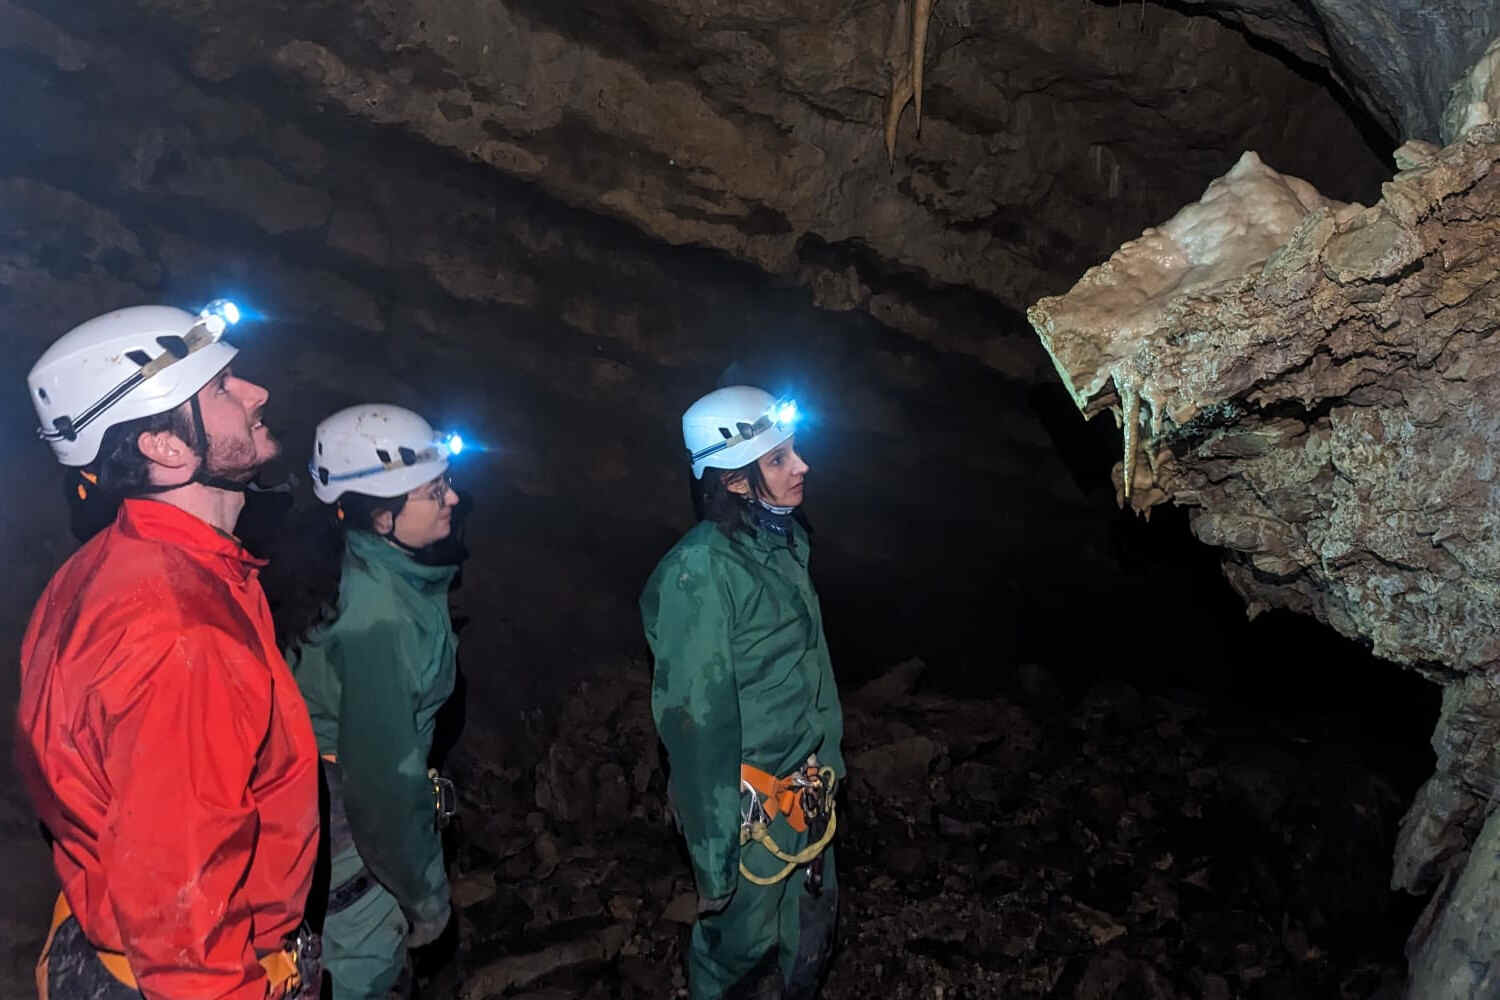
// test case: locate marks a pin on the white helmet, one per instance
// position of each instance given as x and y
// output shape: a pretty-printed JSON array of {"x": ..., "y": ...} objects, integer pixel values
[
  {"x": 122, "y": 366},
  {"x": 732, "y": 427},
  {"x": 379, "y": 450}
]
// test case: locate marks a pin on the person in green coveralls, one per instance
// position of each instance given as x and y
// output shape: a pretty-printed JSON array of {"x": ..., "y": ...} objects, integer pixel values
[
  {"x": 374, "y": 668},
  {"x": 745, "y": 704}
]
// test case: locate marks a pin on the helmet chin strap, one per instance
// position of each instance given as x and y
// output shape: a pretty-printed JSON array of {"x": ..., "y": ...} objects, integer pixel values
[
  {"x": 201, "y": 475},
  {"x": 390, "y": 536}
]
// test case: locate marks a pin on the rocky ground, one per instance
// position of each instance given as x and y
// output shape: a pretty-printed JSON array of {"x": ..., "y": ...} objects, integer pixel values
[{"x": 1111, "y": 845}]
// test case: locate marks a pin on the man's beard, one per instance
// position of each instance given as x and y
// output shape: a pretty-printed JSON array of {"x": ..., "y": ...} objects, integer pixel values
[{"x": 238, "y": 460}]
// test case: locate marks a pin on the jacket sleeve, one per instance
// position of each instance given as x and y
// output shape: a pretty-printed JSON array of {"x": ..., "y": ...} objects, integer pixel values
[
  {"x": 695, "y": 701},
  {"x": 383, "y": 756},
  {"x": 184, "y": 727}
]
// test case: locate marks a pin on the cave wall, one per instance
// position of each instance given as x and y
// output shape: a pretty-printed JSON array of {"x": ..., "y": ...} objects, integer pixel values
[{"x": 1322, "y": 399}]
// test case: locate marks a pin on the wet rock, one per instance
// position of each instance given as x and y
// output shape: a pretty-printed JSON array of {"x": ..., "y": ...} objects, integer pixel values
[{"x": 683, "y": 909}]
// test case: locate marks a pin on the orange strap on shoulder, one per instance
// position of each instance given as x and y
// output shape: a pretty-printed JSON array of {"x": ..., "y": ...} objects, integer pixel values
[
  {"x": 779, "y": 796},
  {"x": 280, "y": 966}
]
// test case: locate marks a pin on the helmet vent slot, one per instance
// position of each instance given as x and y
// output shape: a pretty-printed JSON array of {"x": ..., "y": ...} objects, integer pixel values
[
  {"x": 383, "y": 455},
  {"x": 139, "y": 357},
  {"x": 175, "y": 345}
]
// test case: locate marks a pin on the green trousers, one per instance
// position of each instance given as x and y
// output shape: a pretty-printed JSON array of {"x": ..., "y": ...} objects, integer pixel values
[
  {"x": 364, "y": 947},
  {"x": 364, "y": 942},
  {"x": 770, "y": 943}
]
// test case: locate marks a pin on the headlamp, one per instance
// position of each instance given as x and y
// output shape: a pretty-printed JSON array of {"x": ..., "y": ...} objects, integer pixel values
[
  {"x": 447, "y": 446},
  {"x": 782, "y": 413},
  {"x": 217, "y": 316}
]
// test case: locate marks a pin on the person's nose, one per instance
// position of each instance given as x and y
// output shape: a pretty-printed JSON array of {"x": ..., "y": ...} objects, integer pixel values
[{"x": 252, "y": 395}]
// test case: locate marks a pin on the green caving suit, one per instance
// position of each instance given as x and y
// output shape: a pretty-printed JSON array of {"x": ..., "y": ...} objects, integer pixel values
[
  {"x": 374, "y": 679},
  {"x": 743, "y": 675}
]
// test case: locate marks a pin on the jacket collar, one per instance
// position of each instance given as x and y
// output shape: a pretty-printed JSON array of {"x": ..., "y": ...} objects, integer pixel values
[
  {"x": 376, "y": 551},
  {"x": 157, "y": 521},
  {"x": 768, "y": 543}
]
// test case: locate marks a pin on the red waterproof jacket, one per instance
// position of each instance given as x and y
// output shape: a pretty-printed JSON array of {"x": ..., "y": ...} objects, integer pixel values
[{"x": 166, "y": 747}]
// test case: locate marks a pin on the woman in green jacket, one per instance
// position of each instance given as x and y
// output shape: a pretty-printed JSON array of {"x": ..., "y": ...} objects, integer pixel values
[
  {"x": 375, "y": 667},
  {"x": 745, "y": 703}
]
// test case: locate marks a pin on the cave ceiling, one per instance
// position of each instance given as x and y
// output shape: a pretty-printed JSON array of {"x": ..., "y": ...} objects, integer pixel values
[{"x": 1049, "y": 132}]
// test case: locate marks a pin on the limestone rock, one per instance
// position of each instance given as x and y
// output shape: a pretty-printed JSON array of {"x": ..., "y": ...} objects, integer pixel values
[{"x": 1327, "y": 416}]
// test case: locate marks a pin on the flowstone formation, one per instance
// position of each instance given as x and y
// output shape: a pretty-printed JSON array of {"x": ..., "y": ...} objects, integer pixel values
[{"x": 1317, "y": 383}]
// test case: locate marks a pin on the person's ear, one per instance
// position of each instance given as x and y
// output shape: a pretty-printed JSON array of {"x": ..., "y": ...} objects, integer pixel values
[
  {"x": 734, "y": 482},
  {"x": 383, "y": 522},
  {"x": 165, "y": 449}
]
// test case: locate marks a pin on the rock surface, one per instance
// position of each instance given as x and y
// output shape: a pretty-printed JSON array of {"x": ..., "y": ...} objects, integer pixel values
[
  {"x": 1328, "y": 415},
  {"x": 757, "y": 128}
]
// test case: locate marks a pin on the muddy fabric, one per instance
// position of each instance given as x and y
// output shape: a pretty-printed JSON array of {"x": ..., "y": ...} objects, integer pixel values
[
  {"x": 374, "y": 679},
  {"x": 742, "y": 675}
]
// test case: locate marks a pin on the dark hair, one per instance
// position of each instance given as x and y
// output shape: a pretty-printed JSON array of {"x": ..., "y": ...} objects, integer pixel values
[
  {"x": 714, "y": 501},
  {"x": 122, "y": 470},
  {"x": 307, "y": 562},
  {"x": 119, "y": 470}
]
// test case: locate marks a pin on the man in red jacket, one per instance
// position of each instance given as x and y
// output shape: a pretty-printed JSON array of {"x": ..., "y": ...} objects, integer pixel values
[{"x": 161, "y": 736}]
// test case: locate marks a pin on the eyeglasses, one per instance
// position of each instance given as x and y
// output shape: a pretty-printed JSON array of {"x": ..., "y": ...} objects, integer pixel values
[{"x": 436, "y": 492}]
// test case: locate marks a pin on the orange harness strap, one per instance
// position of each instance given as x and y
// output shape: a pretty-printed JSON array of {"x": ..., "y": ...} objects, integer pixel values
[
  {"x": 779, "y": 796},
  {"x": 280, "y": 966}
]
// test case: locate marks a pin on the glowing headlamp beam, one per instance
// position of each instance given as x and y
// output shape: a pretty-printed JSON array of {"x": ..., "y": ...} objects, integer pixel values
[{"x": 217, "y": 316}]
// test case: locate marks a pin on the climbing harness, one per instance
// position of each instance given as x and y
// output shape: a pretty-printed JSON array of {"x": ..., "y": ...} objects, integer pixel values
[
  {"x": 806, "y": 799},
  {"x": 293, "y": 973}
]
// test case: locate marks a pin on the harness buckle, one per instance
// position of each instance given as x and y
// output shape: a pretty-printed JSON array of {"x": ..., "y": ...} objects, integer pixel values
[{"x": 304, "y": 951}]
